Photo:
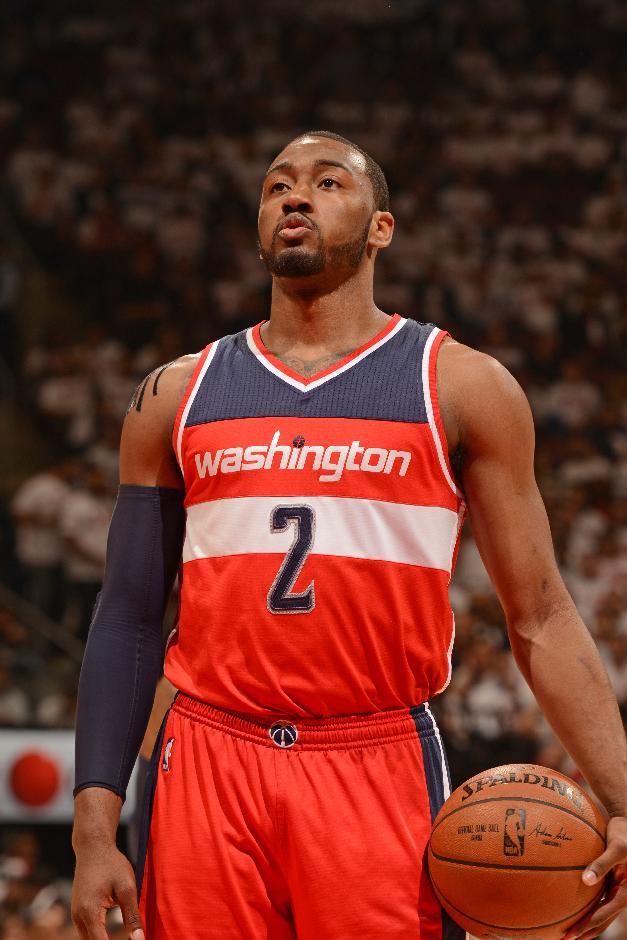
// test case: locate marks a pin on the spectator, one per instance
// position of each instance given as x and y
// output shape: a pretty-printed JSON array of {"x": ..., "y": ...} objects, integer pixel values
[
  {"x": 84, "y": 525},
  {"x": 14, "y": 704},
  {"x": 10, "y": 286},
  {"x": 37, "y": 507}
]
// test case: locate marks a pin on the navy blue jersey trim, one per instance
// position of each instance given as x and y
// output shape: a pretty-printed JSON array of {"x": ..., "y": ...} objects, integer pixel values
[
  {"x": 150, "y": 785},
  {"x": 435, "y": 765},
  {"x": 432, "y": 757},
  {"x": 385, "y": 385}
]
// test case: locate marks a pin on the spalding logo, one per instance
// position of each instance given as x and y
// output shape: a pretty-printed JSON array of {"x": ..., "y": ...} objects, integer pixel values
[{"x": 541, "y": 780}]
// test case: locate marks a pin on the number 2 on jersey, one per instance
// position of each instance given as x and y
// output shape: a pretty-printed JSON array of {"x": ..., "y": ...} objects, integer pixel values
[{"x": 280, "y": 598}]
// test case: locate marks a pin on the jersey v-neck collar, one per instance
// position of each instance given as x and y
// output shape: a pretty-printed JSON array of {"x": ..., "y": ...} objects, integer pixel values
[{"x": 303, "y": 384}]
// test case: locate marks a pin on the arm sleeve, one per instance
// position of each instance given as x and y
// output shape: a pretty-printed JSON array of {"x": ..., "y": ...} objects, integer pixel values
[{"x": 124, "y": 653}]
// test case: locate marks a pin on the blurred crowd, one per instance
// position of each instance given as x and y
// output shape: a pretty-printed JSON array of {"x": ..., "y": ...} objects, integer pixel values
[
  {"x": 34, "y": 898},
  {"x": 134, "y": 147}
]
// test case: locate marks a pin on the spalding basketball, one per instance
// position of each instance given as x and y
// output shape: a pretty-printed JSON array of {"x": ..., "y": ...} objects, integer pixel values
[{"x": 508, "y": 849}]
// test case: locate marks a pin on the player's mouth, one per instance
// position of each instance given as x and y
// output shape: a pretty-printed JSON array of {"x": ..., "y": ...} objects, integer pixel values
[{"x": 294, "y": 227}]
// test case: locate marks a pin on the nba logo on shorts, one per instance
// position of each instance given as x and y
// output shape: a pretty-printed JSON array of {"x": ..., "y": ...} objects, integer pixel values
[
  {"x": 165, "y": 765},
  {"x": 514, "y": 836}
]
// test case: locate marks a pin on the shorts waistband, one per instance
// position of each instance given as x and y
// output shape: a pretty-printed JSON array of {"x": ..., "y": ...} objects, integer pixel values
[{"x": 339, "y": 732}]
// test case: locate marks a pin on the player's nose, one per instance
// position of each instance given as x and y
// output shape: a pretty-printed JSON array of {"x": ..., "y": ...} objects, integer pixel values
[{"x": 297, "y": 200}]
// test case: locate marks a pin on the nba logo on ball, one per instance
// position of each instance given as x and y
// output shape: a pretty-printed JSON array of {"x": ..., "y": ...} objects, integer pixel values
[
  {"x": 283, "y": 734},
  {"x": 514, "y": 835}
]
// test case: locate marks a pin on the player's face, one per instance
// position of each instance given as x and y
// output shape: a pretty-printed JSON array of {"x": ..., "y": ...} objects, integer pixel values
[{"x": 316, "y": 209}]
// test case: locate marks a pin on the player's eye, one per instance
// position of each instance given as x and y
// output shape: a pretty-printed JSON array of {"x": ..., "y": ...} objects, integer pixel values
[
  {"x": 328, "y": 183},
  {"x": 275, "y": 188}
]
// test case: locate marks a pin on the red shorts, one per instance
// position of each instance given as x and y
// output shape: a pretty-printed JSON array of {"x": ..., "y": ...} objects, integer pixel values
[{"x": 314, "y": 830}]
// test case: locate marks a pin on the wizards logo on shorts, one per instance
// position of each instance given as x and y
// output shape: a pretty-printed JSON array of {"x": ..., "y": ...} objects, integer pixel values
[{"x": 283, "y": 734}]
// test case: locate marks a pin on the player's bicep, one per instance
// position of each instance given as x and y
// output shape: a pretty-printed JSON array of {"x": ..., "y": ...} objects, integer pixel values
[
  {"x": 508, "y": 516},
  {"x": 146, "y": 453}
]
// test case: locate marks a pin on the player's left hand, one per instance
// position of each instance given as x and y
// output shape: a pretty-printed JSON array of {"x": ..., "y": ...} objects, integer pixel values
[{"x": 613, "y": 862}]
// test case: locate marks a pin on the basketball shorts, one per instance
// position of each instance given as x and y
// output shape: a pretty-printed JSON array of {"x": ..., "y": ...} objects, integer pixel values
[{"x": 314, "y": 830}]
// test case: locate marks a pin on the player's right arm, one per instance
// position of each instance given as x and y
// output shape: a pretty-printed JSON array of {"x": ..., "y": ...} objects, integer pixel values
[{"x": 124, "y": 652}]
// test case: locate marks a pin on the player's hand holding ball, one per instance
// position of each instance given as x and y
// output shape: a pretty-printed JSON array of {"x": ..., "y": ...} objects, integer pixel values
[
  {"x": 612, "y": 865},
  {"x": 520, "y": 851}
]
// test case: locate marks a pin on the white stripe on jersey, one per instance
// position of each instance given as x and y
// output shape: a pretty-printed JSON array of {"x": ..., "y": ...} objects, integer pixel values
[
  {"x": 190, "y": 402},
  {"x": 346, "y": 527},
  {"x": 426, "y": 389}
]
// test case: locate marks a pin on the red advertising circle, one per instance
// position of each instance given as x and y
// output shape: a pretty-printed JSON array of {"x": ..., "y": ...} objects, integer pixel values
[{"x": 34, "y": 779}]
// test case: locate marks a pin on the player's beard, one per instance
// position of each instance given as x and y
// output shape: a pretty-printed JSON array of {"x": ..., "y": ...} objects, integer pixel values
[{"x": 304, "y": 262}]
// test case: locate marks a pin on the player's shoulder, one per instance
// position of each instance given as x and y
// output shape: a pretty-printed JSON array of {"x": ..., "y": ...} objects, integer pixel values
[
  {"x": 463, "y": 369},
  {"x": 477, "y": 392},
  {"x": 146, "y": 453},
  {"x": 175, "y": 376},
  {"x": 152, "y": 411},
  {"x": 160, "y": 392}
]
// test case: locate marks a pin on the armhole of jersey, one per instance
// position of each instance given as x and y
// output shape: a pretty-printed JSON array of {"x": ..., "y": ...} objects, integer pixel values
[
  {"x": 461, "y": 515},
  {"x": 430, "y": 391},
  {"x": 187, "y": 400}
]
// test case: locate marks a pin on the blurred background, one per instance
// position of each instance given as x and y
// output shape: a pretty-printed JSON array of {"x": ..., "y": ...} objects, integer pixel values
[{"x": 133, "y": 138}]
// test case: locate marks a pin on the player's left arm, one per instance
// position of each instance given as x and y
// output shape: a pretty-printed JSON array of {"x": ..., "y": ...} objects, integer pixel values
[{"x": 488, "y": 421}]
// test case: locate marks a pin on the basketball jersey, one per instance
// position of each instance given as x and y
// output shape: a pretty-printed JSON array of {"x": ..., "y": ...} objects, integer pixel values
[{"x": 322, "y": 526}]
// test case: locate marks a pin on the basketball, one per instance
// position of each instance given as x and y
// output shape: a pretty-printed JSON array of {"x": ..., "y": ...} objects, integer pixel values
[{"x": 508, "y": 849}]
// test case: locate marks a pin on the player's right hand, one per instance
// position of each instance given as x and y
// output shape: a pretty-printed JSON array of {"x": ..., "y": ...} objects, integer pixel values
[{"x": 104, "y": 879}]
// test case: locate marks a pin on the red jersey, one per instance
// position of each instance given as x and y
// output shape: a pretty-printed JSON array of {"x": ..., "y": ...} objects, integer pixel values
[{"x": 322, "y": 527}]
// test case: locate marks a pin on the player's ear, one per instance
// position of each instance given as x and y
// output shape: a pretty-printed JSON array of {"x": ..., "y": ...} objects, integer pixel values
[{"x": 381, "y": 229}]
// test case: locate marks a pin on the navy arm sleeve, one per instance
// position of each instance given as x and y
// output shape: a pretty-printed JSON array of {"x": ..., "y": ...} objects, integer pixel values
[{"x": 124, "y": 653}]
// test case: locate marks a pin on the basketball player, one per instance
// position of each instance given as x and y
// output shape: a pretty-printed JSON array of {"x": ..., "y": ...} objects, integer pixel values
[{"x": 313, "y": 473}]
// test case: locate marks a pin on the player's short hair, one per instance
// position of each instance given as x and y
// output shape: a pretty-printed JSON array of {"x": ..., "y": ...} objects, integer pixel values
[{"x": 373, "y": 171}]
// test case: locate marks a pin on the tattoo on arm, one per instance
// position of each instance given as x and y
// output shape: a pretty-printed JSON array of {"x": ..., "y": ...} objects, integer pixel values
[{"x": 138, "y": 396}]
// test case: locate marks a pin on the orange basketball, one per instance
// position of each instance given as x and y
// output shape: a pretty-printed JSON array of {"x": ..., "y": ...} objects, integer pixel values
[{"x": 507, "y": 852}]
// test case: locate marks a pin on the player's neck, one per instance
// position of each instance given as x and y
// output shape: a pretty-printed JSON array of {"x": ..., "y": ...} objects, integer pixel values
[{"x": 337, "y": 321}]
